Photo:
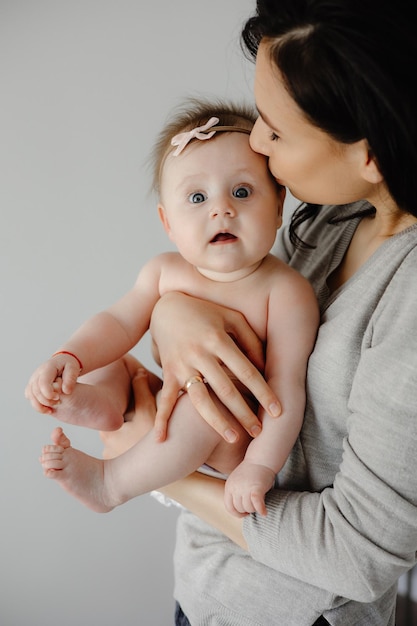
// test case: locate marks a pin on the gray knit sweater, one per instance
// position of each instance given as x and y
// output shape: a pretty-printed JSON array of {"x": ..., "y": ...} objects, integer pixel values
[{"x": 342, "y": 527}]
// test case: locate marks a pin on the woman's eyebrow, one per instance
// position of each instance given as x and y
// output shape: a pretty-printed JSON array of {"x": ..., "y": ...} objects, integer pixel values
[{"x": 266, "y": 120}]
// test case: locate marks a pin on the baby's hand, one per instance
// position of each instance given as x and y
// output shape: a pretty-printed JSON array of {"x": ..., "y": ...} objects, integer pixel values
[
  {"x": 246, "y": 487},
  {"x": 50, "y": 380}
]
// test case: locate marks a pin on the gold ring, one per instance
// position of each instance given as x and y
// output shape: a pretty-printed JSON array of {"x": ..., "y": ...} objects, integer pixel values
[{"x": 193, "y": 379}]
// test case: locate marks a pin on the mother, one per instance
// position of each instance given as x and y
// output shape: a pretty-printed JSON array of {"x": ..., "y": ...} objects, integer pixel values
[{"x": 336, "y": 96}]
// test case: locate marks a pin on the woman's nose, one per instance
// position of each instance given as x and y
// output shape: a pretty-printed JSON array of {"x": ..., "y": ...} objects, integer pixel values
[{"x": 257, "y": 138}]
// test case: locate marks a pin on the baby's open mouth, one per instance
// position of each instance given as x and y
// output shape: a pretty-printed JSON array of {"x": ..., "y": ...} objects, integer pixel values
[{"x": 223, "y": 237}]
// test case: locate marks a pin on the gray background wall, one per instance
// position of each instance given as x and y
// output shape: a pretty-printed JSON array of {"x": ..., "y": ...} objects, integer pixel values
[{"x": 85, "y": 87}]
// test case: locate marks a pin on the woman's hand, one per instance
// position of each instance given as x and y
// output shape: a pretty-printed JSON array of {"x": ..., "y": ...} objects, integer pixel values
[{"x": 196, "y": 337}]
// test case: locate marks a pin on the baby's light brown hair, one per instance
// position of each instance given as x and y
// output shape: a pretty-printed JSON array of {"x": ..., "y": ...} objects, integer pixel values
[{"x": 191, "y": 114}]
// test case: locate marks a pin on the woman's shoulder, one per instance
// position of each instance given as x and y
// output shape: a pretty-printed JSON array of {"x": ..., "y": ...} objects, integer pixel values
[{"x": 400, "y": 258}]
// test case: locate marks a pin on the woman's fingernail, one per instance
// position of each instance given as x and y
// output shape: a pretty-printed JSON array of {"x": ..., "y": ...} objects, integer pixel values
[
  {"x": 274, "y": 409},
  {"x": 230, "y": 435},
  {"x": 255, "y": 431}
]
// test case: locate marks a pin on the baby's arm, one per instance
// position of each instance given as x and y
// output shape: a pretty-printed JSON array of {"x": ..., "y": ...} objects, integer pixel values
[
  {"x": 292, "y": 326},
  {"x": 101, "y": 340}
]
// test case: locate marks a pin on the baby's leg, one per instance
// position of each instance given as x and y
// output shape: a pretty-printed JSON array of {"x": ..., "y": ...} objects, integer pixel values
[
  {"x": 148, "y": 465},
  {"x": 100, "y": 398},
  {"x": 72, "y": 468}
]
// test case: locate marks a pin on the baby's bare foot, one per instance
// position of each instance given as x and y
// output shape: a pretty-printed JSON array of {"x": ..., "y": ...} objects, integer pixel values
[
  {"x": 81, "y": 475},
  {"x": 88, "y": 405}
]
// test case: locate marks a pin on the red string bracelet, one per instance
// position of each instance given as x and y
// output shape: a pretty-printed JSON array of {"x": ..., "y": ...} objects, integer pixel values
[{"x": 70, "y": 354}]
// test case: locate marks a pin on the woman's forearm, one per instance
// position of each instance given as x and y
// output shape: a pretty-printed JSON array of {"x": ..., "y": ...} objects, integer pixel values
[{"x": 204, "y": 496}]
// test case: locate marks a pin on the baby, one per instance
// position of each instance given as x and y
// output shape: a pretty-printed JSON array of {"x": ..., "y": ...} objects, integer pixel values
[{"x": 221, "y": 207}]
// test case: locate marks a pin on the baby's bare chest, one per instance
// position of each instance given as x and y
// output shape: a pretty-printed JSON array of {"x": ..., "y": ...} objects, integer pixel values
[{"x": 249, "y": 296}]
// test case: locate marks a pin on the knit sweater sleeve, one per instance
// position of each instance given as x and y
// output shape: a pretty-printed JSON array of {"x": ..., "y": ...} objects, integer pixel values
[{"x": 355, "y": 535}]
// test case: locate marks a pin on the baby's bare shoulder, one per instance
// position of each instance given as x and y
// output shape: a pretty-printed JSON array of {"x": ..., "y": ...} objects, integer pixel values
[{"x": 285, "y": 280}]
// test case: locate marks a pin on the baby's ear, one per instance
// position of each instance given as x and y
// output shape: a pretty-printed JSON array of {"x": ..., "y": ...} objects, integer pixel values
[{"x": 163, "y": 217}]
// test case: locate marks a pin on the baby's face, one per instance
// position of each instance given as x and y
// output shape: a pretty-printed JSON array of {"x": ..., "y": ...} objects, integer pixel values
[{"x": 219, "y": 203}]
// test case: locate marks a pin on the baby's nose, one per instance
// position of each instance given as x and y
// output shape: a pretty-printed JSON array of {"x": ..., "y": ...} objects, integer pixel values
[{"x": 223, "y": 208}]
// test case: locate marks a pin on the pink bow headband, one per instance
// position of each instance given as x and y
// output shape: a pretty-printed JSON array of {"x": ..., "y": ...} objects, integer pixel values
[{"x": 183, "y": 139}]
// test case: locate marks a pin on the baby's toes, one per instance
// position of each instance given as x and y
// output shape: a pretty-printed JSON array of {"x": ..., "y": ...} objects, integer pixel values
[
  {"x": 51, "y": 449},
  {"x": 59, "y": 438},
  {"x": 52, "y": 458}
]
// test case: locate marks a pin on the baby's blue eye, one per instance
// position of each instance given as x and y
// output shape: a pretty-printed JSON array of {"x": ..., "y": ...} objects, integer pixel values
[
  {"x": 241, "y": 192},
  {"x": 197, "y": 197}
]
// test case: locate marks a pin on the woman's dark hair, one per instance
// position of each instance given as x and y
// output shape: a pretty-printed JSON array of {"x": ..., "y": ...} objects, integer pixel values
[{"x": 349, "y": 66}]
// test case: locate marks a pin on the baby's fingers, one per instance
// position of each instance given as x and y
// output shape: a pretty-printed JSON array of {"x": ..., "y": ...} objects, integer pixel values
[
  {"x": 41, "y": 408},
  {"x": 258, "y": 504},
  {"x": 39, "y": 401},
  {"x": 234, "y": 505},
  {"x": 41, "y": 385},
  {"x": 69, "y": 376}
]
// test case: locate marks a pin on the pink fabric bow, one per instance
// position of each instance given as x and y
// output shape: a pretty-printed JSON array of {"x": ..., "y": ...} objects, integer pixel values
[{"x": 182, "y": 139}]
